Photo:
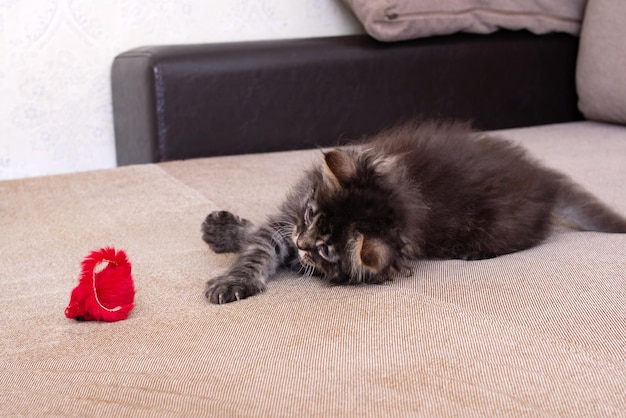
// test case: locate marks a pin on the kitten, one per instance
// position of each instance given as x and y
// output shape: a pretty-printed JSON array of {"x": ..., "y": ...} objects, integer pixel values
[{"x": 429, "y": 190}]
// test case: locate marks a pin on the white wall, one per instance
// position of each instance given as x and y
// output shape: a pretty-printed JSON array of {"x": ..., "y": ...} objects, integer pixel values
[{"x": 55, "y": 58}]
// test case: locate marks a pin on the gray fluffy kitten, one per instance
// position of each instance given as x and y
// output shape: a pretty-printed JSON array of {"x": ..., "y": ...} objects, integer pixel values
[{"x": 429, "y": 190}]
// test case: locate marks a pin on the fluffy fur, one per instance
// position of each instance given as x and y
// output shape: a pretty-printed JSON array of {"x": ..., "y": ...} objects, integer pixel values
[
  {"x": 429, "y": 190},
  {"x": 105, "y": 291}
]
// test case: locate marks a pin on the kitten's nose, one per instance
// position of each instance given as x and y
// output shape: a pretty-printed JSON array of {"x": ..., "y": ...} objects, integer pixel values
[{"x": 303, "y": 243}]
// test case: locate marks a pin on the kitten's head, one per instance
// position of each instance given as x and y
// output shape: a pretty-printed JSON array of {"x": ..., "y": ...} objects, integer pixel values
[{"x": 350, "y": 225}]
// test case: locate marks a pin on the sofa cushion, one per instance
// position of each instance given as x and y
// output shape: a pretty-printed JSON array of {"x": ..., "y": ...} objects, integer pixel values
[
  {"x": 394, "y": 20},
  {"x": 601, "y": 68},
  {"x": 538, "y": 332}
]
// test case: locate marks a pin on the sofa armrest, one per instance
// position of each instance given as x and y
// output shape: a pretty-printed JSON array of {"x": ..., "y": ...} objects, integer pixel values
[{"x": 188, "y": 101}]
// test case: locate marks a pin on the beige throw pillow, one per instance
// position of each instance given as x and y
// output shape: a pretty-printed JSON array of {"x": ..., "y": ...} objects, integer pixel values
[
  {"x": 395, "y": 20},
  {"x": 601, "y": 69}
]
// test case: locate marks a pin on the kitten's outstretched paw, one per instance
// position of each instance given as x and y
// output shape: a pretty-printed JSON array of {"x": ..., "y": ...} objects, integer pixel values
[
  {"x": 225, "y": 289},
  {"x": 225, "y": 232}
]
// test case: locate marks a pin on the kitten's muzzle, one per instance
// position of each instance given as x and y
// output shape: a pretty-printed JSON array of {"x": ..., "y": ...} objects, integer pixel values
[{"x": 305, "y": 244}]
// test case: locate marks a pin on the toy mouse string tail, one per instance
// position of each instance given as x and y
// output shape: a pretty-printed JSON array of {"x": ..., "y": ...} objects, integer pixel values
[{"x": 97, "y": 269}]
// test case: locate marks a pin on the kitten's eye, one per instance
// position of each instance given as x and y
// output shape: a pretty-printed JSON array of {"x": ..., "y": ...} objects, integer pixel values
[
  {"x": 323, "y": 251},
  {"x": 308, "y": 215}
]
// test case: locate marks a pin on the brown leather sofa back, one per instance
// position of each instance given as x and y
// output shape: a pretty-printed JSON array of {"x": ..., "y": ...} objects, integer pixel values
[{"x": 187, "y": 101}]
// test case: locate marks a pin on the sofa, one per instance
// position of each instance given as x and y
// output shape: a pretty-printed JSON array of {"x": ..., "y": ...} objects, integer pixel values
[{"x": 540, "y": 332}]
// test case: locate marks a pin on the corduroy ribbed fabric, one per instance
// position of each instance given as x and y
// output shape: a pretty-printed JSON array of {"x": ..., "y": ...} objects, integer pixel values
[{"x": 539, "y": 332}]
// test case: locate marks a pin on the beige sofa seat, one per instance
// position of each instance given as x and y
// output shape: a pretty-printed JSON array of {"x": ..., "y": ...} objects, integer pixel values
[{"x": 539, "y": 332}]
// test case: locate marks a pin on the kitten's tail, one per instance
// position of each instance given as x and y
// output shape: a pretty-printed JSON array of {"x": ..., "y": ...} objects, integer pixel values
[{"x": 581, "y": 210}]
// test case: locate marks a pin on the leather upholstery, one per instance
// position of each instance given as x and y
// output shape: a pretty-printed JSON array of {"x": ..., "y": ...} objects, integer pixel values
[{"x": 187, "y": 101}]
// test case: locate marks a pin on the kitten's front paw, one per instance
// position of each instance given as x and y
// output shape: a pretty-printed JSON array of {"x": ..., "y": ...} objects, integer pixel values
[
  {"x": 225, "y": 289},
  {"x": 225, "y": 232}
]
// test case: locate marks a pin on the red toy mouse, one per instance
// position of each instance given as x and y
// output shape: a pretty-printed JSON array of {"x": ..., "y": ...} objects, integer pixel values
[{"x": 105, "y": 290}]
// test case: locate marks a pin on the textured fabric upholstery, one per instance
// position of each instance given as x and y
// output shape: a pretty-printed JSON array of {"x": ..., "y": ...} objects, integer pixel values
[
  {"x": 539, "y": 332},
  {"x": 601, "y": 67},
  {"x": 396, "y": 20}
]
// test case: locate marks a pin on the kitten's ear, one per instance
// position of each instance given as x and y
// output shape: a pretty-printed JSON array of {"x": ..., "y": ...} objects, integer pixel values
[
  {"x": 339, "y": 168},
  {"x": 374, "y": 254}
]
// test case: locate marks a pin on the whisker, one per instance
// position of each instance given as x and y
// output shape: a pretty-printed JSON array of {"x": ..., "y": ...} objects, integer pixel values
[
  {"x": 282, "y": 233},
  {"x": 301, "y": 269},
  {"x": 283, "y": 224}
]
